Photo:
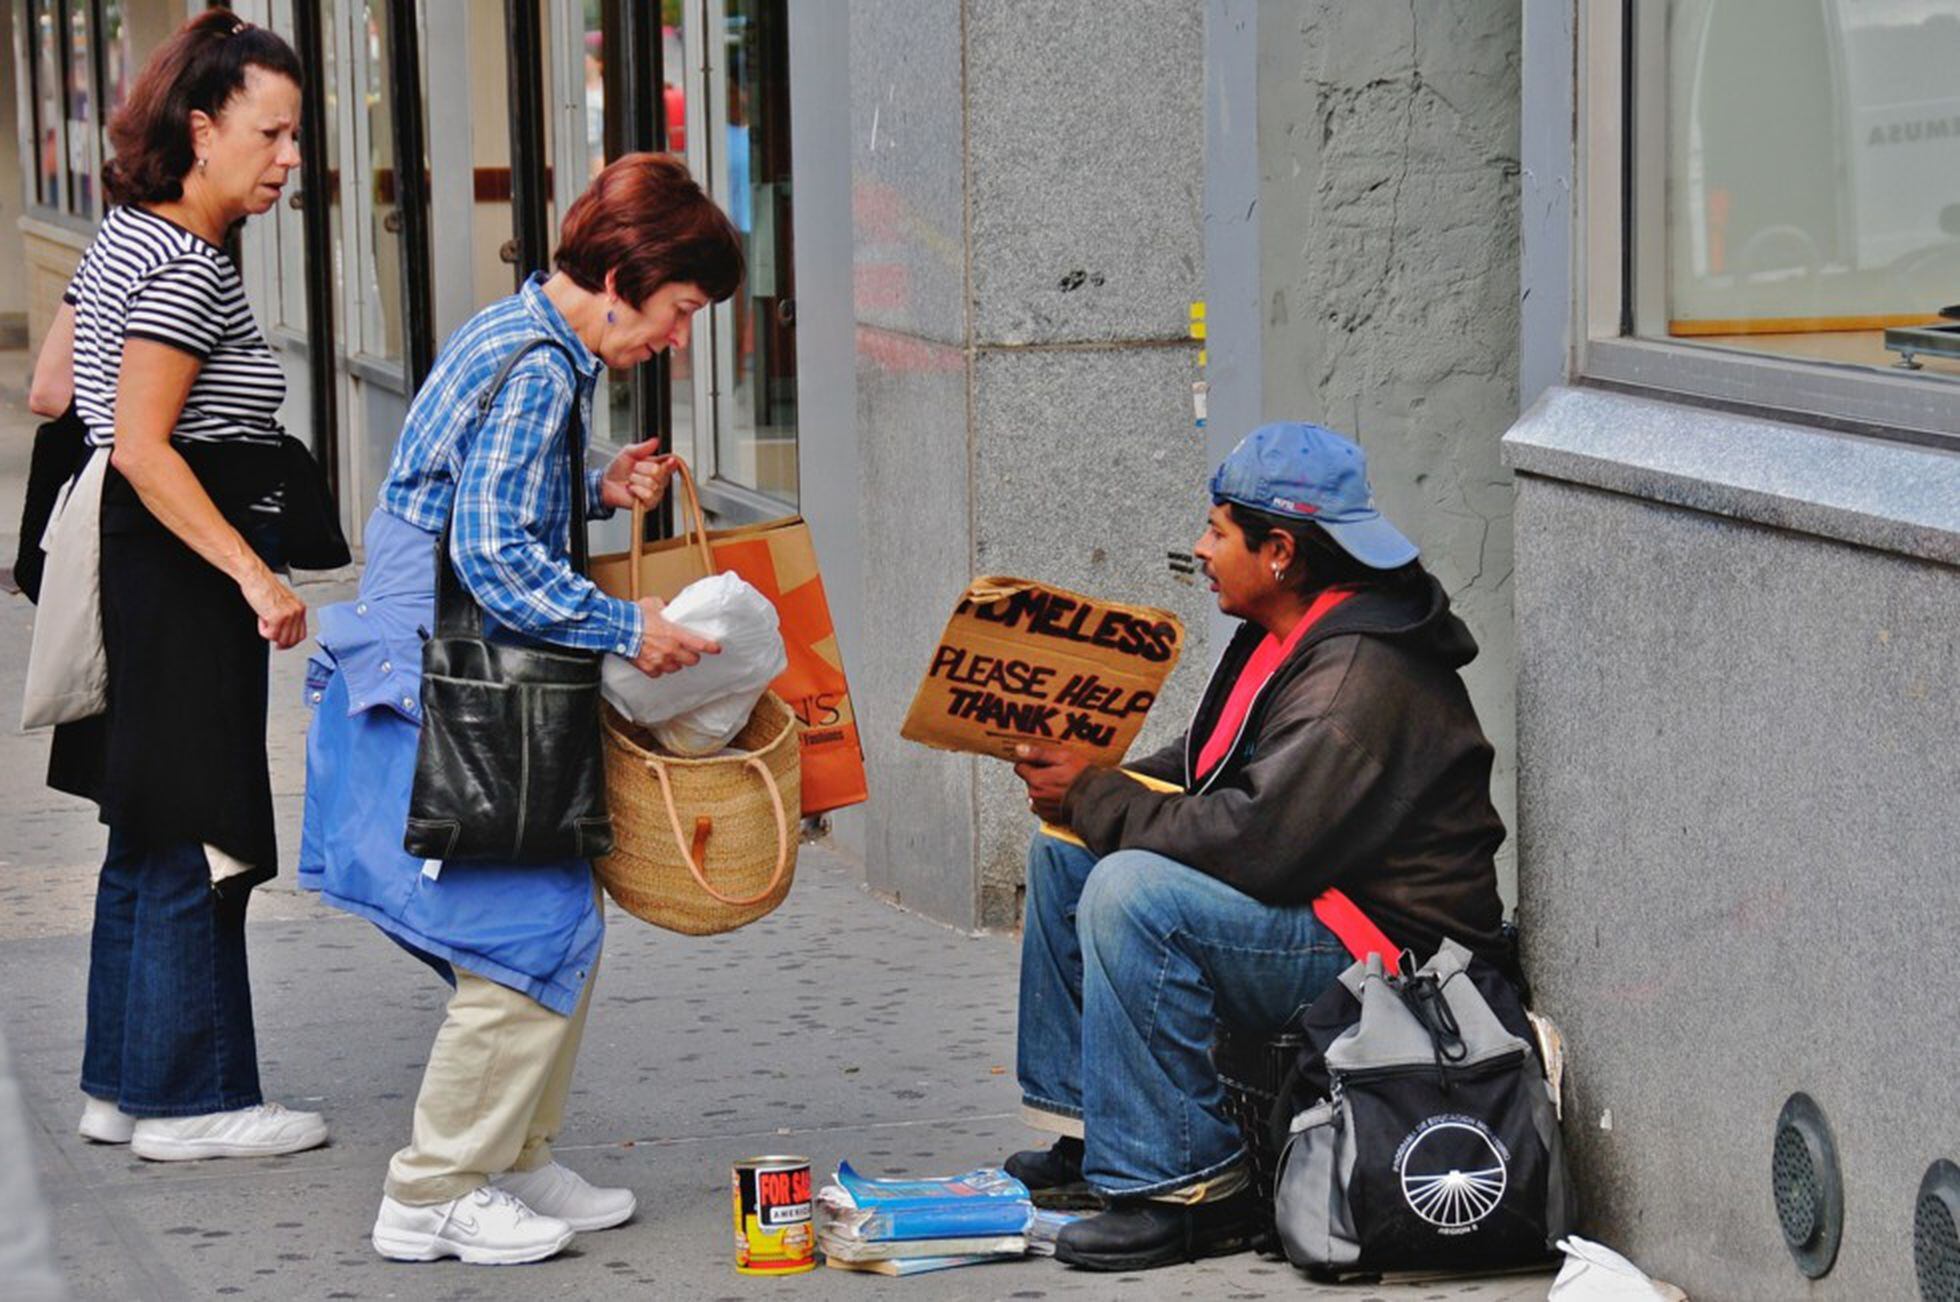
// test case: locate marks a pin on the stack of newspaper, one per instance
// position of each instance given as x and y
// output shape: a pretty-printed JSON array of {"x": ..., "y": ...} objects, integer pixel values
[{"x": 908, "y": 1227}]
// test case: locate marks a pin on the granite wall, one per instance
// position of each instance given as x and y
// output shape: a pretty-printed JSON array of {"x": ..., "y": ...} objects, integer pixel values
[
  {"x": 1388, "y": 196},
  {"x": 1026, "y": 194},
  {"x": 1739, "y": 693}
]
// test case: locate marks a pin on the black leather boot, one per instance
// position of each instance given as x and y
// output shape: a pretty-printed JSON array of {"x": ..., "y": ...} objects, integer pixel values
[
  {"x": 1137, "y": 1234},
  {"x": 1054, "y": 1176}
]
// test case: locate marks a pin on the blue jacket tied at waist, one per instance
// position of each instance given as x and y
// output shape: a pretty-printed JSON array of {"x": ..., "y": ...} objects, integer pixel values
[{"x": 536, "y": 928}]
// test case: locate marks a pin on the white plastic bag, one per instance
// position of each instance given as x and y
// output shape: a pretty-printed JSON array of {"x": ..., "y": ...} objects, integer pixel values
[
  {"x": 1594, "y": 1272},
  {"x": 700, "y": 708}
]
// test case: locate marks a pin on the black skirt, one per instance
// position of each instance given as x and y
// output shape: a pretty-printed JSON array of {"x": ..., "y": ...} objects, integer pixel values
[{"x": 180, "y": 755}]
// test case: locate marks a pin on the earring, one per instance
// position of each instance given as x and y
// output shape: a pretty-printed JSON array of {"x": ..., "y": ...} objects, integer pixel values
[
  {"x": 201, "y": 163},
  {"x": 609, "y": 316},
  {"x": 1278, "y": 571}
]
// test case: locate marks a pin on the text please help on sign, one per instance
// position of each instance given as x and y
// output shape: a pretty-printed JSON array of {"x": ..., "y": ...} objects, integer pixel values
[{"x": 1022, "y": 661}]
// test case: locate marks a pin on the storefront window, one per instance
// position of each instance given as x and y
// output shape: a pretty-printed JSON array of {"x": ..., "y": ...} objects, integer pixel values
[
  {"x": 755, "y": 333},
  {"x": 119, "y": 61},
  {"x": 80, "y": 58},
  {"x": 48, "y": 147},
  {"x": 381, "y": 305},
  {"x": 80, "y": 109},
  {"x": 675, "y": 87},
  {"x": 727, "y": 69},
  {"x": 586, "y": 138},
  {"x": 1812, "y": 151}
]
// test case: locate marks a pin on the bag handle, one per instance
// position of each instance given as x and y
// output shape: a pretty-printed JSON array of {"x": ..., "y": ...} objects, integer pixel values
[
  {"x": 697, "y": 533},
  {"x": 695, "y": 865}
]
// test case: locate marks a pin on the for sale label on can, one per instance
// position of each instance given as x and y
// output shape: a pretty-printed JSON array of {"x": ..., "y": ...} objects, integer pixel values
[{"x": 773, "y": 1234}]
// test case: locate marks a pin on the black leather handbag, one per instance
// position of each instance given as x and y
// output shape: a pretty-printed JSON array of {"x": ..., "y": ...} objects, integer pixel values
[{"x": 508, "y": 767}]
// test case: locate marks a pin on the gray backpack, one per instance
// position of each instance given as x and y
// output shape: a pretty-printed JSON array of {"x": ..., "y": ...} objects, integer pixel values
[{"x": 1437, "y": 1144}]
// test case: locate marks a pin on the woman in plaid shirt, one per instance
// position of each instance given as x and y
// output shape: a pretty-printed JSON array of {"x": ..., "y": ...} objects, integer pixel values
[{"x": 641, "y": 251}]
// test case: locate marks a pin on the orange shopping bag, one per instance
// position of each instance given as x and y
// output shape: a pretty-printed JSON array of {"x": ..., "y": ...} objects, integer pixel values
[{"x": 780, "y": 560}]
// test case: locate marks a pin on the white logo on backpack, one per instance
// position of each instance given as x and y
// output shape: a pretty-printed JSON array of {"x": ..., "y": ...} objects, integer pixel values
[{"x": 1454, "y": 1172}]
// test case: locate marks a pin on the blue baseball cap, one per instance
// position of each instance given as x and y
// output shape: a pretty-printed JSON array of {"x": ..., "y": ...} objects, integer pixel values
[{"x": 1304, "y": 472}]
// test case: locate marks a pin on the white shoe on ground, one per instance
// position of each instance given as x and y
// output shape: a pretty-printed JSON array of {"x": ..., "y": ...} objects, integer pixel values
[
  {"x": 485, "y": 1227},
  {"x": 262, "y": 1131},
  {"x": 555, "y": 1190},
  {"x": 103, "y": 1122}
]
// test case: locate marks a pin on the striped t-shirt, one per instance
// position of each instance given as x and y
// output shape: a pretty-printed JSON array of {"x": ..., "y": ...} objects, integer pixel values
[{"x": 145, "y": 277}]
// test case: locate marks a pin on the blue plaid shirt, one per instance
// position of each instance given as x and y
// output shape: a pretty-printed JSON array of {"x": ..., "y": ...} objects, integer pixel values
[{"x": 504, "y": 476}]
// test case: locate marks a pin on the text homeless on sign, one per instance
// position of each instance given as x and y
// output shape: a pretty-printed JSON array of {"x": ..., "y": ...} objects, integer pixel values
[{"x": 1025, "y": 661}]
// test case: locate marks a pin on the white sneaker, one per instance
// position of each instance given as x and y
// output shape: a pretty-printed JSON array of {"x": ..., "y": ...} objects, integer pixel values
[
  {"x": 554, "y": 1190},
  {"x": 103, "y": 1122},
  {"x": 485, "y": 1227},
  {"x": 261, "y": 1131}
]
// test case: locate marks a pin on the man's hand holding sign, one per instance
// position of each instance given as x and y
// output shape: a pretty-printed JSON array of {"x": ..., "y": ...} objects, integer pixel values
[
  {"x": 1051, "y": 679},
  {"x": 1049, "y": 772}
]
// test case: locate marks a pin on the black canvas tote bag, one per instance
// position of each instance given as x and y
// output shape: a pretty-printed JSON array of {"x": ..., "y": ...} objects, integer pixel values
[
  {"x": 508, "y": 766},
  {"x": 60, "y": 449}
]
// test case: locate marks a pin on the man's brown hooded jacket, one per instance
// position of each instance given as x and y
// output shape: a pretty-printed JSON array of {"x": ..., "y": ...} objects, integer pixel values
[{"x": 1360, "y": 765}]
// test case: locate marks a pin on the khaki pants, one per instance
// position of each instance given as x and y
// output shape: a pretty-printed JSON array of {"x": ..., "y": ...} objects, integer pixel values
[{"x": 493, "y": 1095}]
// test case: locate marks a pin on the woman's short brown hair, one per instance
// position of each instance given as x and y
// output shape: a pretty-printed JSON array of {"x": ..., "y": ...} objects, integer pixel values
[
  {"x": 199, "y": 68},
  {"x": 645, "y": 220}
]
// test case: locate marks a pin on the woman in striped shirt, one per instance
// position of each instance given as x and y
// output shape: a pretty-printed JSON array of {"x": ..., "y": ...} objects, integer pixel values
[
  {"x": 640, "y": 252},
  {"x": 170, "y": 371}
]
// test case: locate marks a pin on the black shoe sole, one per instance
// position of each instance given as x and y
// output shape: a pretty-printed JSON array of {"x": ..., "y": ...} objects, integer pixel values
[{"x": 1170, "y": 1254}]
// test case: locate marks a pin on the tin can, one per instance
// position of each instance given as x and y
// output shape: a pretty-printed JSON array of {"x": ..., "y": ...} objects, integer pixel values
[{"x": 774, "y": 1234}]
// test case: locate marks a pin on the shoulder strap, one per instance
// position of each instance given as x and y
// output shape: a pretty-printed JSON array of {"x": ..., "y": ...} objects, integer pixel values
[
  {"x": 1357, "y": 931},
  {"x": 457, "y": 612}
]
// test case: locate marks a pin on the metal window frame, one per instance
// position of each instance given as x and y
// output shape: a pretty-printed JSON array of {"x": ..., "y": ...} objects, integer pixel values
[
  {"x": 64, "y": 62},
  {"x": 636, "y": 65},
  {"x": 316, "y": 239},
  {"x": 27, "y": 97},
  {"x": 1618, "y": 245},
  {"x": 529, "y": 196},
  {"x": 412, "y": 190},
  {"x": 98, "y": 136}
]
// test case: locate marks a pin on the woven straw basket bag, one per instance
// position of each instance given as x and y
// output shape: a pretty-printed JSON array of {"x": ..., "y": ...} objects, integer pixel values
[{"x": 703, "y": 845}]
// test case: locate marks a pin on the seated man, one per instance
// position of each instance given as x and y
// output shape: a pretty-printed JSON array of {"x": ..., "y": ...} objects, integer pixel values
[{"x": 1334, "y": 768}]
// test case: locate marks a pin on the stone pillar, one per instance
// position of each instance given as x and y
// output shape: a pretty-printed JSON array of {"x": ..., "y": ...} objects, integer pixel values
[
  {"x": 1389, "y": 225},
  {"x": 1027, "y": 186}
]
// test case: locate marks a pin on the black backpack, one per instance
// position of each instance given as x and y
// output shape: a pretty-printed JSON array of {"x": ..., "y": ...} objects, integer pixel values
[{"x": 1430, "y": 1137}]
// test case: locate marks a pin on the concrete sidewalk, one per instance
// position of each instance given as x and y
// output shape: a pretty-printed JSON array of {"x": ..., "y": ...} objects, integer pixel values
[{"x": 838, "y": 1028}]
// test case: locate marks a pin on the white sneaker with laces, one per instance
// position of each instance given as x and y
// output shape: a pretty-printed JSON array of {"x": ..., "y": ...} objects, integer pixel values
[
  {"x": 485, "y": 1227},
  {"x": 262, "y": 1131},
  {"x": 555, "y": 1190},
  {"x": 103, "y": 1122}
]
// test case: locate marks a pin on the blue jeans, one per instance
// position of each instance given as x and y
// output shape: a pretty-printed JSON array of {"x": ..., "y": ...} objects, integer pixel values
[
  {"x": 169, "y": 998},
  {"x": 1128, "y": 964}
]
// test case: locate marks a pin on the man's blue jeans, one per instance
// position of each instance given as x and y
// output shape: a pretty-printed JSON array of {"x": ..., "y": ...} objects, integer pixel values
[
  {"x": 169, "y": 999},
  {"x": 1127, "y": 966}
]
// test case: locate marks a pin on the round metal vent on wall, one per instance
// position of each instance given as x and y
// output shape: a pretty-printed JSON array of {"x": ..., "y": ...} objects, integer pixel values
[
  {"x": 1809, "y": 1191},
  {"x": 1935, "y": 1238}
]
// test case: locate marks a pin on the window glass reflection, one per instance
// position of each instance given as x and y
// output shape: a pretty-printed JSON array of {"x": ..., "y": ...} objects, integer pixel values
[
  {"x": 1811, "y": 153},
  {"x": 755, "y": 333},
  {"x": 80, "y": 97},
  {"x": 48, "y": 111},
  {"x": 381, "y": 308}
]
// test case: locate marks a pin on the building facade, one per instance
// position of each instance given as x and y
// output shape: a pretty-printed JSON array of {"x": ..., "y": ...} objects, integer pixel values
[
  {"x": 1737, "y": 525},
  {"x": 1613, "y": 292}
]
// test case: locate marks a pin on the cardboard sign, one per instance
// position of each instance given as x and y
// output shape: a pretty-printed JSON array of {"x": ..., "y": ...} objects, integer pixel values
[{"x": 1022, "y": 661}]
